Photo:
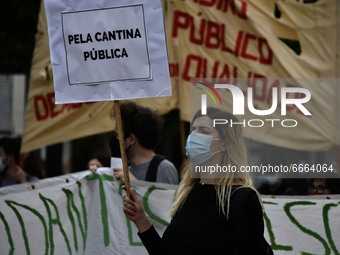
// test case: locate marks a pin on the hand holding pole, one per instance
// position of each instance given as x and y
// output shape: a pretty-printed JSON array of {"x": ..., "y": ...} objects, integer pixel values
[{"x": 121, "y": 145}]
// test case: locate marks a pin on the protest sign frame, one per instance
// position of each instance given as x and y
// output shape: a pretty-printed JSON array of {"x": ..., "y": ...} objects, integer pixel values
[{"x": 147, "y": 42}]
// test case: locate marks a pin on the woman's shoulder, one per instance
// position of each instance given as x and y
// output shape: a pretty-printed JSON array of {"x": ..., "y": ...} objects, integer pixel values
[
  {"x": 240, "y": 188},
  {"x": 245, "y": 200},
  {"x": 244, "y": 193}
]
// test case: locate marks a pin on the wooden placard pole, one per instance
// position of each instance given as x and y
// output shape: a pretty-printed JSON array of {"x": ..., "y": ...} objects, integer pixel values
[
  {"x": 119, "y": 125},
  {"x": 337, "y": 158}
]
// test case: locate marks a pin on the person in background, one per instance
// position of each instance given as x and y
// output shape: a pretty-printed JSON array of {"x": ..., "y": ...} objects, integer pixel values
[
  {"x": 217, "y": 213},
  {"x": 98, "y": 161},
  {"x": 11, "y": 172},
  {"x": 34, "y": 164},
  {"x": 141, "y": 128},
  {"x": 324, "y": 186}
]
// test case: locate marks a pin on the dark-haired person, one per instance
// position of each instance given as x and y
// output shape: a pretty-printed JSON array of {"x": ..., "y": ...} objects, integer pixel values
[
  {"x": 324, "y": 186},
  {"x": 141, "y": 128},
  {"x": 98, "y": 161},
  {"x": 10, "y": 172},
  {"x": 218, "y": 213}
]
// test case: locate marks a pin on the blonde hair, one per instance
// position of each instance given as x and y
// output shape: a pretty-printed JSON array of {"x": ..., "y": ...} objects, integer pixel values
[{"x": 235, "y": 155}]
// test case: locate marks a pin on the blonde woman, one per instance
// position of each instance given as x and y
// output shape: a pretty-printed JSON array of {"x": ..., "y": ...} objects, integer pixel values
[{"x": 213, "y": 212}]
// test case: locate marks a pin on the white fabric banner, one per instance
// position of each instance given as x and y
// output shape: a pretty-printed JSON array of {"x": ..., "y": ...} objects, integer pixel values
[
  {"x": 81, "y": 213},
  {"x": 107, "y": 50}
]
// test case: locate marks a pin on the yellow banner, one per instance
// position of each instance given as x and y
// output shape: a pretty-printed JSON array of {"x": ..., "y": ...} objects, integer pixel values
[
  {"x": 268, "y": 41},
  {"x": 221, "y": 39}
]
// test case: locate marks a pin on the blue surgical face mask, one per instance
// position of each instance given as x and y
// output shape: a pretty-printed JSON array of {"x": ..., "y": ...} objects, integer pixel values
[
  {"x": 198, "y": 148},
  {"x": 2, "y": 166}
]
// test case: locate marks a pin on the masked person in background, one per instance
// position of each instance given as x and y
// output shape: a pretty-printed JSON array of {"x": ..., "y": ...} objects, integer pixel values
[
  {"x": 212, "y": 212},
  {"x": 11, "y": 172},
  {"x": 141, "y": 128}
]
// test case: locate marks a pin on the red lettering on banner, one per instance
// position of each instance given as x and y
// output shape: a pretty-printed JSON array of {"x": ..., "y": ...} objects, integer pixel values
[
  {"x": 40, "y": 108},
  {"x": 45, "y": 107},
  {"x": 213, "y": 35},
  {"x": 51, "y": 103},
  {"x": 224, "y": 46},
  {"x": 243, "y": 13},
  {"x": 69, "y": 107},
  {"x": 263, "y": 44},
  {"x": 200, "y": 66},
  {"x": 174, "y": 69},
  {"x": 188, "y": 64},
  {"x": 238, "y": 43},
  {"x": 245, "y": 46},
  {"x": 212, "y": 40},
  {"x": 224, "y": 5},
  {"x": 235, "y": 74},
  {"x": 181, "y": 20},
  {"x": 225, "y": 72},
  {"x": 196, "y": 66},
  {"x": 204, "y": 68},
  {"x": 206, "y": 2},
  {"x": 199, "y": 40}
]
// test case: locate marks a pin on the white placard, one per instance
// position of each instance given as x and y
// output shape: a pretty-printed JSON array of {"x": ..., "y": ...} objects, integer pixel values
[
  {"x": 94, "y": 50},
  {"x": 104, "y": 50},
  {"x": 116, "y": 162}
]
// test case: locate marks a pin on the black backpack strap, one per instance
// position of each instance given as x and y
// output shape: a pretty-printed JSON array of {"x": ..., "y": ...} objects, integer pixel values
[
  {"x": 151, "y": 174},
  {"x": 263, "y": 247}
]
